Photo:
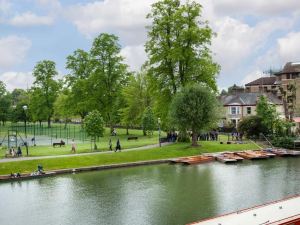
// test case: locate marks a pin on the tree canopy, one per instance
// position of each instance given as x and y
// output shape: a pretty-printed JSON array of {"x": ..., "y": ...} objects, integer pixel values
[{"x": 194, "y": 109}]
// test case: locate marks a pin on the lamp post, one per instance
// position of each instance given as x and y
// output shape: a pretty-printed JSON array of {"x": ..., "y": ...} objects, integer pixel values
[
  {"x": 25, "y": 107},
  {"x": 25, "y": 122},
  {"x": 159, "y": 121}
]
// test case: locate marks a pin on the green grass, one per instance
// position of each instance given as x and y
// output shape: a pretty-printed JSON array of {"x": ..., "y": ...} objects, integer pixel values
[
  {"x": 170, "y": 151},
  {"x": 102, "y": 144}
]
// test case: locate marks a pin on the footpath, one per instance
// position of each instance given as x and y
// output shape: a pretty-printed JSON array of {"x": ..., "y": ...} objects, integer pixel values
[{"x": 79, "y": 154}]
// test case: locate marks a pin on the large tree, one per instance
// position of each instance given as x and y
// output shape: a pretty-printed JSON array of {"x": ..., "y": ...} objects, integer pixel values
[
  {"x": 108, "y": 77},
  {"x": 80, "y": 67},
  {"x": 137, "y": 97},
  {"x": 194, "y": 109},
  {"x": 45, "y": 87},
  {"x": 267, "y": 112},
  {"x": 5, "y": 103},
  {"x": 178, "y": 48},
  {"x": 94, "y": 125}
]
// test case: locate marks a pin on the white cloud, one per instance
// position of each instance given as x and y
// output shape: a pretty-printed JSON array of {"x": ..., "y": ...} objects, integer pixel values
[
  {"x": 31, "y": 19},
  {"x": 127, "y": 18},
  {"x": 5, "y": 6},
  {"x": 134, "y": 56},
  {"x": 237, "y": 41},
  {"x": 13, "y": 50},
  {"x": 255, "y": 7},
  {"x": 289, "y": 48},
  {"x": 55, "y": 4},
  {"x": 14, "y": 80},
  {"x": 252, "y": 76}
]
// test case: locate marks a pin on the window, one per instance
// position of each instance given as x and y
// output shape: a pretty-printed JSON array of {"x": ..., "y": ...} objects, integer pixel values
[
  {"x": 234, "y": 110},
  {"x": 248, "y": 110}
]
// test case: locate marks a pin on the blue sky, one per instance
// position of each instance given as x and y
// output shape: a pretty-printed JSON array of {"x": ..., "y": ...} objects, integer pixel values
[{"x": 252, "y": 36}]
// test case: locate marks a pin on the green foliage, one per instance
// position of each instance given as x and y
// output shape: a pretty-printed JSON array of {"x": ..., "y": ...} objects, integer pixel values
[
  {"x": 148, "y": 121},
  {"x": 283, "y": 142},
  {"x": 5, "y": 103},
  {"x": 137, "y": 97},
  {"x": 178, "y": 50},
  {"x": 94, "y": 124},
  {"x": 20, "y": 98},
  {"x": 45, "y": 89},
  {"x": 80, "y": 67},
  {"x": 195, "y": 109},
  {"x": 267, "y": 113},
  {"x": 252, "y": 126},
  {"x": 62, "y": 106},
  {"x": 108, "y": 77}
]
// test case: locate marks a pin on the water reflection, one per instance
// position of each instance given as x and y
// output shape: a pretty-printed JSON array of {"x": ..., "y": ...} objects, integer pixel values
[{"x": 163, "y": 194}]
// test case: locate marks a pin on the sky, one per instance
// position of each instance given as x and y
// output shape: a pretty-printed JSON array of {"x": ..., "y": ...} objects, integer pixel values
[{"x": 253, "y": 36}]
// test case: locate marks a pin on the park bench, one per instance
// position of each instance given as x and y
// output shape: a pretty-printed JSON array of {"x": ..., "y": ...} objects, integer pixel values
[
  {"x": 132, "y": 138},
  {"x": 61, "y": 143},
  {"x": 164, "y": 140}
]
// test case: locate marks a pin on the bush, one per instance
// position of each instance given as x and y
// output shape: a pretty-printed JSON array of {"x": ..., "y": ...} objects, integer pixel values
[
  {"x": 283, "y": 142},
  {"x": 252, "y": 126}
]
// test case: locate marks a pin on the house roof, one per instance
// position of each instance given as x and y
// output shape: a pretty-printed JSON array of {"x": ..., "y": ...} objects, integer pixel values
[
  {"x": 262, "y": 81},
  {"x": 290, "y": 67},
  {"x": 248, "y": 99}
]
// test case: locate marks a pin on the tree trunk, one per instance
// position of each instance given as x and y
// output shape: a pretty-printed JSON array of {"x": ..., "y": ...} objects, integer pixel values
[
  {"x": 127, "y": 130},
  {"x": 194, "y": 139},
  {"x": 49, "y": 122}
]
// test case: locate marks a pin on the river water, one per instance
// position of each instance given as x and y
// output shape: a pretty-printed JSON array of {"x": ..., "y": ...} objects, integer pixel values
[{"x": 158, "y": 194}]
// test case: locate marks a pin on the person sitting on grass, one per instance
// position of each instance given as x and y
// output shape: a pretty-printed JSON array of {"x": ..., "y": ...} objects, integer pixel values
[
  {"x": 15, "y": 175},
  {"x": 40, "y": 169}
]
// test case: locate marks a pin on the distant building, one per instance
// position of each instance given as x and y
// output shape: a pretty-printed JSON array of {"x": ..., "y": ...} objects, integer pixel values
[
  {"x": 263, "y": 84},
  {"x": 285, "y": 84},
  {"x": 241, "y": 105}
]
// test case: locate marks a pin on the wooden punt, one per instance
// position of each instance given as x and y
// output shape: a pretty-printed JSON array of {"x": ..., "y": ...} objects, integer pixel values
[
  {"x": 224, "y": 159},
  {"x": 293, "y": 152},
  {"x": 251, "y": 155},
  {"x": 268, "y": 153},
  {"x": 280, "y": 152},
  {"x": 231, "y": 155},
  {"x": 197, "y": 160},
  {"x": 258, "y": 154}
]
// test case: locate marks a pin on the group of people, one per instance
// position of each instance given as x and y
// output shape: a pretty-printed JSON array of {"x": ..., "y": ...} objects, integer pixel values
[
  {"x": 209, "y": 136},
  {"x": 172, "y": 136},
  {"x": 118, "y": 145},
  {"x": 14, "y": 153},
  {"x": 237, "y": 136}
]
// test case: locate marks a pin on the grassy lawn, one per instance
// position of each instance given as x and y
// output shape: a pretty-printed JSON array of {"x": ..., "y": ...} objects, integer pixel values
[
  {"x": 170, "y": 151},
  {"x": 102, "y": 144}
]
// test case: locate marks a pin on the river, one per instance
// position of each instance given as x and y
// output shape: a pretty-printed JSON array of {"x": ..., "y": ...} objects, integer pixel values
[{"x": 158, "y": 194}]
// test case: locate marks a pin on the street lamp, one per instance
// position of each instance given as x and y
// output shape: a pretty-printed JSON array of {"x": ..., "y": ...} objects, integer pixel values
[
  {"x": 159, "y": 121},
  {"x": 25, "y": 107}
]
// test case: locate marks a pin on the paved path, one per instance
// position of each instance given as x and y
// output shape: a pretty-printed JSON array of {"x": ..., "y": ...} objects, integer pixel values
[{"x": 80, "y": 154}]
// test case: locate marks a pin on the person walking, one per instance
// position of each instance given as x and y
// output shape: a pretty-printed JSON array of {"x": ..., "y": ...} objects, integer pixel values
[
  {"x": 73, "y": 146},
  {"x": 110, "y": 145},
  {"x": 118, "y": 147}
]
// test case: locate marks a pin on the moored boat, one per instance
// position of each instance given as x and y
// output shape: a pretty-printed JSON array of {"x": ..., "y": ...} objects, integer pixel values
[
  {"x": 197, "y": 160},
  {"x": 284, "y": 212}
]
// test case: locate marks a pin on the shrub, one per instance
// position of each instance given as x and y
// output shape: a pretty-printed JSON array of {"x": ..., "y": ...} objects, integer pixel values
[
  {"x": 283, "y": 142},
  {"x": 252, "y": 126}
]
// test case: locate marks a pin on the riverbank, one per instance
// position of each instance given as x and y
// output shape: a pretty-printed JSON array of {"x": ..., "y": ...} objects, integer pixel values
[{"x": 165, "y": 152}]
